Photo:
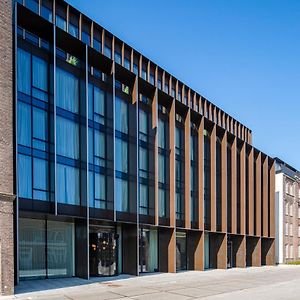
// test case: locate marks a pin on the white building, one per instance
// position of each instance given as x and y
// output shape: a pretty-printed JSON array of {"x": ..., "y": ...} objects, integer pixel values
[{"x": 287, "y": 216}]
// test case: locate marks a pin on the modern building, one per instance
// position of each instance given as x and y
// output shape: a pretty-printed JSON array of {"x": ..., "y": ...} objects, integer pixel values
[
  {"x": 109, "y": 164},
  {"x": 287, "y": 212}
]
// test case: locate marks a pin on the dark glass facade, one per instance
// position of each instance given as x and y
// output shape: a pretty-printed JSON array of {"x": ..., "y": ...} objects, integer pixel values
[{"x": 119, "y": 167}]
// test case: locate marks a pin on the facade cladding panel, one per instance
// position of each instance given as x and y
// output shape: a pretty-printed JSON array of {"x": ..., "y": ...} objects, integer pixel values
[{"x": 119, "y": 167}]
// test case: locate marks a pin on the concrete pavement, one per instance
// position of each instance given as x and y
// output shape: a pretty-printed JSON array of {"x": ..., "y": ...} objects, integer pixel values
[{"x": 281, "y": 282}]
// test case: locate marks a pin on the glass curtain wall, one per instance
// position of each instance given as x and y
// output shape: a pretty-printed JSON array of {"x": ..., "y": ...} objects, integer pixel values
[
  {"x": 194, "y": 177},
  {"x": 121, "y": 155},
  {"x": 206, "y": 180},
  {"x": 68, "y": 133},
  {"x": 143, "y": 161},
  {"x": 162, "y": 163},
  {"x": 179, "y": 170},
  {"x": 33, "y": 130},
  {"x": 247, "y": 193},
  {"x": 97, "y": 147},
  {"x": 238, "y": 191},
  {"x": 46, "y": 249},
  {"x": 219, "y": 183},
  {"x": 228, "y": 187}
]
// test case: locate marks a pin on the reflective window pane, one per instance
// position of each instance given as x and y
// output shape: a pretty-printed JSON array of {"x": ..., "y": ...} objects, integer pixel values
[
  {"x": 121, "y": 195},
  {"x": 121, "y": 116}
]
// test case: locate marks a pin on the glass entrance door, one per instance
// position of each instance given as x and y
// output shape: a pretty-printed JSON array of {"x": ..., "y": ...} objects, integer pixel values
[{"x": 103, "y": 254}]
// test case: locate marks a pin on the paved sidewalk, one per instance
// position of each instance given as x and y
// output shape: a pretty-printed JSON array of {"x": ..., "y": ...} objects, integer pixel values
[{"x": 281, "y": 282}]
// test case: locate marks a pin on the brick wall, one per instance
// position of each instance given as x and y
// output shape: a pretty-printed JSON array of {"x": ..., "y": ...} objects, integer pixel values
[{"x": 6, "y": 149}]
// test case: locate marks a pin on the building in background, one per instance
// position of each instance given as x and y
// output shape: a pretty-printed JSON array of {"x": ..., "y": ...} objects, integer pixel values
[
  {"x": 287, "y": 203},
  {"x": 109, "y": 164}
]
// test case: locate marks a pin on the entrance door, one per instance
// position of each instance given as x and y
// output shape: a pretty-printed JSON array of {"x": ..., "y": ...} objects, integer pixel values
[
  {"x": 229, "y": 254},
  {"x": 103, "y": 254}
]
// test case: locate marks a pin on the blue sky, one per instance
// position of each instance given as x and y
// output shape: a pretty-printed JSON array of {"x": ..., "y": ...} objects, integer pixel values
[{"x": 242, "y": 55}]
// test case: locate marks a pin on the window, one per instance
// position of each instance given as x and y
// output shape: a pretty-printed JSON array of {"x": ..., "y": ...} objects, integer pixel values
[
  {"x": 286, "y": 251},
  {"x": 298, "y": 212},
  {"x": 143, "y": 162},
  {"x": 299, "y": 231},
  {"x": 144, "y": 74},
  {"x": 121, "y": 120},
  {"x": 37, "y": 83},
  {"x": 32, "y": 5},
  {"x": 107, "y": 51},
  {"x": 40, "y": 179},
  {"x": 298, "y": 251},
  {"x": 40, "y": 128},
  {"x": 122, "y": 195},
  {"x": 32, "y": 252},
  {"x": 97, "y": 45},
  {"x": 96, "y": 147},
  {"x": 24, "y": 72},
  {"x": 39, "y": 78},
  {"x": 206, "y": 183},
  {"x": 286, "y": 228},
  {"x": 46, "y": 11},
  {"x": 173, "y": 93},
  {"x": 291, "y": 210},
  {"x": 292, "y": 189},
  {"x": 24, "y": 176},
  {"x": 162, "y": 176},
  {"x": 73, "y": 30},
  {"x": 46, "y": 249},
  {"x": 161, "y": 133},
  {"x": 291, "y": 251},
  {"x": 68, "y": 184},
  {"x": 61, "y": 23},
  {"x": 96, "y": 104},
  {"x": 67, "y": 136},
  {"x": 67, "y": 90},
  {"x": 151, "y": 78},
  {"x": 291, "y": 229},
  {"x": 159, "y": 84},
  {"x": 24, "y": 124},
  {"x": 97, "y": 190},
  {"x": 193, "y": 175},
  {"x": 286, "y": 208},
  {"x": 121, "y": 155},
  {"x": 162, "y": 211},
  {"x": 135, "y": 69},
  {"x": 161, "y": 168},
  {"x": 127, "y": 63},
  {"x": 143, "y": 125},
  {"x": 118, "y": 57},
  {"x": 143, "y": 195},
  {"x": 85, "y": 37},
  {"x": 179, "y": 173},
  {"x": 166, "y": 88}
]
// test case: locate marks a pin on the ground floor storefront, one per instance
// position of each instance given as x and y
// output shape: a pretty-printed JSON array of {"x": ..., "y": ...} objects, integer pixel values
[{"x": 58, "y": 247}]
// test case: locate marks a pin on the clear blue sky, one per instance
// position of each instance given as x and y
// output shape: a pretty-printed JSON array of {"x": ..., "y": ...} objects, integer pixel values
[{"x": 242, "y": 55}]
